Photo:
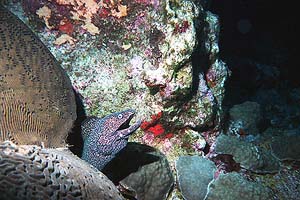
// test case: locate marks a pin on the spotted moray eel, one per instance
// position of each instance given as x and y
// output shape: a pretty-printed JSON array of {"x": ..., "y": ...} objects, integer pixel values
[
  {"x": 37, "y": 106},
  {"x": 37, "y": 102},
  {"x": 104, "y": 138}
]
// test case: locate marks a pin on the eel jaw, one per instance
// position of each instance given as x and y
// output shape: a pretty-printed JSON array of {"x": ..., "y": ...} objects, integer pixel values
[{"x": 125, "y": 130}]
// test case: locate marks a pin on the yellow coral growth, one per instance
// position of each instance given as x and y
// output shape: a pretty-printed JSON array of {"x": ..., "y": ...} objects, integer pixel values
[
  {"x": 83, "y": 11},
  {"x": 45, "y": 13},
  {"x": 91, "y": 28},
  {"x": 65, "y": 38},
  {"x": 121, "y": 13},
  {"x": 83, "y": 8}
]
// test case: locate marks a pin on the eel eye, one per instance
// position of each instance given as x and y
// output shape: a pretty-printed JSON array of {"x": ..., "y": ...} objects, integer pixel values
[{"x": 120, "y": 116}]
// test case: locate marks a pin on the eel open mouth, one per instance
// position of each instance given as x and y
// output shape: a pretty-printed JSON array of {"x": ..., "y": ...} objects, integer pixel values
[{"x": 125, "y": 130}]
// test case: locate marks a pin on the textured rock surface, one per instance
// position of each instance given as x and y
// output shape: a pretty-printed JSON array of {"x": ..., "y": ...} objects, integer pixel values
[
  {"x": 194, "y": 174},
  {"x": 235, "y": 186},
  {"x": 146, "y": 175},
  {"x": 159, "y": 57},
  {"x": 36, "y": 96},
  {"x": 218, "y": 72},
  {"x": 248, "y": 155},
  {"x": 30, "y": 172},
  {"x": 143, "y": 56},
  {"x": 286, "y": 147},
  {"x": 285, "y": 184},
  {"x": 248, "y": 114}
]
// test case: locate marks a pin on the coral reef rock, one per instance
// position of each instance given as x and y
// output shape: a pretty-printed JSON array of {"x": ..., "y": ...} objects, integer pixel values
[
  {"x": 146, "y": 175},
  {"x": 247, "y": 115},
  {"x": 248, "y": 155},
  {"x": 194, "y": 175},
  {"x": 235, "y": 186},
  {"x": 141, "y": 51},
  {"x": 32, "y": 172},
  {"x": 285, "y": 184}
]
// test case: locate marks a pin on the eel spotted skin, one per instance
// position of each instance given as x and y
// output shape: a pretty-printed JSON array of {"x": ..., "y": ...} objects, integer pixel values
[
  {"x": 105, "y": 137},
  {"x": 37, "y": 102}
]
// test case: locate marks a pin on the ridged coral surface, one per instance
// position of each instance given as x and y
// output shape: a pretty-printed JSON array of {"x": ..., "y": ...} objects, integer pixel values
[
  {"x": 37, "y": 102},
  {"x": 31, "y": 172}
]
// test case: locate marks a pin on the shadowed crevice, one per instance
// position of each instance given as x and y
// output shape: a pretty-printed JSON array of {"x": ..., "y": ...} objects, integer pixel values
[
  {"x": 129, "y": 160},
  {"x": 74, "y": 139}
]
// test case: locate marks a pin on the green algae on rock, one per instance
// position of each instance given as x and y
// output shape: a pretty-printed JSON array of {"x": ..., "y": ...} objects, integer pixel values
[
  {"x": 248, "y": 155},
  {"x": 193, "y": 142},
  {"x": 154, "y": 72},
  {"x": 235, "y": 186}
]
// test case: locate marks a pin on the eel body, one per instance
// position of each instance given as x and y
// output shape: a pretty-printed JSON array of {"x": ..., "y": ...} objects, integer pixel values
[{"x": 105, "y": 137}]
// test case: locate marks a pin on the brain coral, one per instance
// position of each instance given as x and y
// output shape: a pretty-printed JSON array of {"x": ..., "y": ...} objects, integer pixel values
[
  {"x": 194, "y": 175},
  {"x": 32, "y": 172}
]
